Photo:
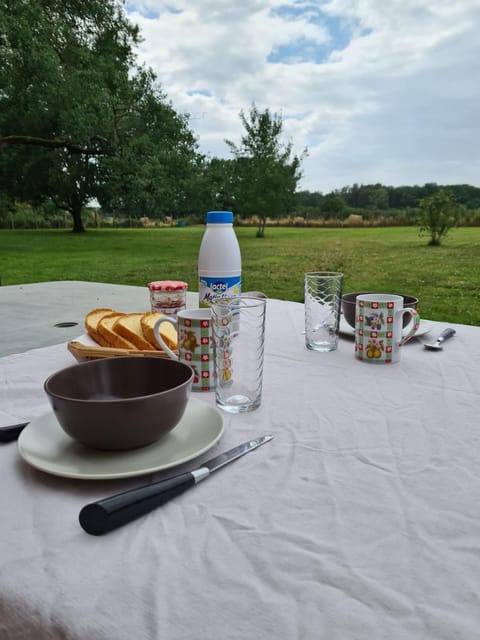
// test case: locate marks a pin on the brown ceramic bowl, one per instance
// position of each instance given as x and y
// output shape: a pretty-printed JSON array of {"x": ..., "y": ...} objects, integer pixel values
[
  {"x": 121, "y": 402},
  {"x": 349, "y": 300}
]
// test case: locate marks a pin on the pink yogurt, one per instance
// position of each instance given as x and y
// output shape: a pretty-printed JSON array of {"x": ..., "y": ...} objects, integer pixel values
[{"x": 168, "y": 296}]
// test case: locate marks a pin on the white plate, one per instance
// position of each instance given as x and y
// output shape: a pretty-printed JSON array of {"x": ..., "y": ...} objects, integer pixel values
[
  {"x": 346, "y": 330},
  {"x": 45, "y": 446}
]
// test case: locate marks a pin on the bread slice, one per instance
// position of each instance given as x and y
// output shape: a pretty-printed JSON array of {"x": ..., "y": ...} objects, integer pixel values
[
  {"x": 129, "y": 327},
  {"x": 167, "y": 331},
  {"x": 107, "y": 331},
  {"x": 91, "y": 324}
]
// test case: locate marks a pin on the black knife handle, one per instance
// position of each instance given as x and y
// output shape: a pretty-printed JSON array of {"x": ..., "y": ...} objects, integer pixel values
[
  {"x": 105, "y": 515},
  {"x": 11, "y": 433}
]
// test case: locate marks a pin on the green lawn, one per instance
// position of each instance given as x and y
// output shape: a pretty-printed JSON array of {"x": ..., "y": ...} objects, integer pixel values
[{"x": 446, "y": 278}]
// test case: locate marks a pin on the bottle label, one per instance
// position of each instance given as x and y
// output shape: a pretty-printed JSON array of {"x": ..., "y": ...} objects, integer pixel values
[{"x": 211, "y": 289}]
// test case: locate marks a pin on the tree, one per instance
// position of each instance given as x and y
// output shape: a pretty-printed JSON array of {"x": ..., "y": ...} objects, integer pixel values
[
  {"x": 333, "y": 205},
  {"x": 438, "y": 214},
  {"x": 75, "y": 111},
  {"x": 213, "y": 187},
  {"x": 155, "y": 156},
  {"x": 266, "y": 173},
  {"x": 309, "y": 204},
  {"x": 63, "y": 63},
  {"x": 369, "y": 196}
]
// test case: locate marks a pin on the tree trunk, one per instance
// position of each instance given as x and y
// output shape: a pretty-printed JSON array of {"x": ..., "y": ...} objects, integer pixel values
[
  {"x": 77, "y": 220},
  {"x": 261, "y": 227}
]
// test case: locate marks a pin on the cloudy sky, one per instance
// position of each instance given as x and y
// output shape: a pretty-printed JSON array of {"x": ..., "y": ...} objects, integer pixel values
[{"x": 377, "y": 90}]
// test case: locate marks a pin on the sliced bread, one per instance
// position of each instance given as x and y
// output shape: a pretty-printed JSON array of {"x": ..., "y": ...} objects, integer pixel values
[
  {"x": 167, "y": 331},
  {"x": 106, "y": 328},
  {"x": 91, "y": 325},
  {"x": 129, "y": 327}
]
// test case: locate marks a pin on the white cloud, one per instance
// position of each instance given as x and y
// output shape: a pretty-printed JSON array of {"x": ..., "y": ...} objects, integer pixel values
[{"x": 387, "y": 91}]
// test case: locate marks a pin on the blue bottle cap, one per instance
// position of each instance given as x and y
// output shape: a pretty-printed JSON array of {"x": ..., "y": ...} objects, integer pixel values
[{"x": 219, "y": 217}]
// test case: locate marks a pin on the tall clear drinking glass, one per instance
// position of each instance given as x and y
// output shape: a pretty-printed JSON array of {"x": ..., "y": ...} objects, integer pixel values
[
  {"x": 323, "y": 297},
  {"x": 238, "y": 340}
]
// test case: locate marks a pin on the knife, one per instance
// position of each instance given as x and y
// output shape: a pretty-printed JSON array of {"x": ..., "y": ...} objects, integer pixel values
[
  {"x": 105, "y": 515},
  {"x": 11, "y": 433}
]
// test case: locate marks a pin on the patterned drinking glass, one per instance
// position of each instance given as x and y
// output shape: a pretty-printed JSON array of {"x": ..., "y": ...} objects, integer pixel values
[
  {"x": 323, "y": 296},
  {"x": 238, "y": 340}
]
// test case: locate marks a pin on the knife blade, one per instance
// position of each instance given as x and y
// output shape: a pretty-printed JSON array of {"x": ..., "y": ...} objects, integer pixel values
[
  {"x": 11, "y": 433},
  {"x": 110, "y": 513}
]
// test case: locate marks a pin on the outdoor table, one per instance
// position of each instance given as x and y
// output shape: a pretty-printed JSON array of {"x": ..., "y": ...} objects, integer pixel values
[
  {"x": 359, "y": 520},
  {"x": 30, "y": 313}
]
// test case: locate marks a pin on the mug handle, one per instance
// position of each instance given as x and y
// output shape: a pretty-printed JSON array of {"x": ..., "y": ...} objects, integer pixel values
[
  {"x": 158, "y": 336},
  {"x": 412, "y": 327}
]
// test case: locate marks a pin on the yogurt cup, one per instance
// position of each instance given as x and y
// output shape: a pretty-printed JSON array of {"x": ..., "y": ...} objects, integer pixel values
[{"x": 168, "y": 296}]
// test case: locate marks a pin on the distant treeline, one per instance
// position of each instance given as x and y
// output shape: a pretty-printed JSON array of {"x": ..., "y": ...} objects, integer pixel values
[
  {"x": 372, "y": 200},
  {"x": 358, "y": 205}
]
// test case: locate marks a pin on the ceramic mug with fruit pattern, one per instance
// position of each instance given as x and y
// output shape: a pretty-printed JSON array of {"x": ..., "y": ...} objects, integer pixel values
[
  {"x": 195, "y": 346},
  {"x": 378, "y": 327}
]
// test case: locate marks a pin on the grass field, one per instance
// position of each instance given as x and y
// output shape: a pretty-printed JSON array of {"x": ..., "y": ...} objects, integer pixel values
[{"x": 445, "y": 278}]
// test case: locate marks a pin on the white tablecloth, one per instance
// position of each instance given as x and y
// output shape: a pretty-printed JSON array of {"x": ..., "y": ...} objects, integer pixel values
[{"x": 360, "y": 520}]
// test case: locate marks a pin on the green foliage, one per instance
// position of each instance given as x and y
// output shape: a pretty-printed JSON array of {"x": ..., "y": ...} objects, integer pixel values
[
  {"x": 266, "y": 174},
  {"x": 211, "y": 186},
  {"x": 154, "y": 160},
  {"x": 65, "y": 64},
  {"x": 378, "y": 196},
  {"x": 438, "y": 214},
  {"x": 371, "y": 196},
  {"x": 79, "y": 119},
  {"x": 333, "y": 206}
]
